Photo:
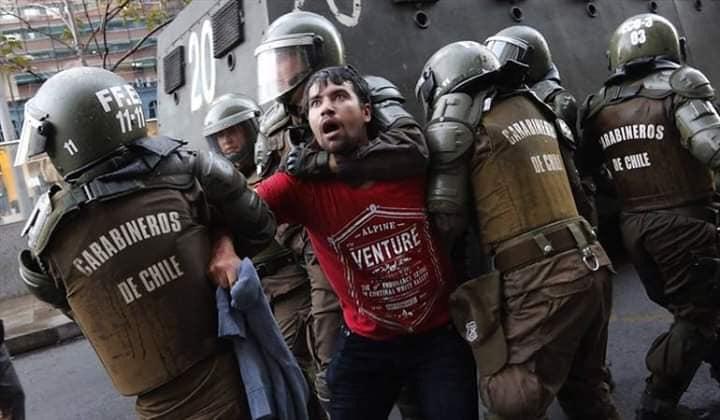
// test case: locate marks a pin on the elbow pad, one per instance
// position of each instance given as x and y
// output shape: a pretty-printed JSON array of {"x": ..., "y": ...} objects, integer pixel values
[
  {"x": 39, "y": 283},
  {"x": 699, "y": 126},
  {"x": 241, "y": 210}
]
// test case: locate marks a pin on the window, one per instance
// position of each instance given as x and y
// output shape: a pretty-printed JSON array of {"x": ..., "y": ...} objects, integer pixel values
[
  {"x": 152, "y": 109},
  {"x": 33, "y": 12}
]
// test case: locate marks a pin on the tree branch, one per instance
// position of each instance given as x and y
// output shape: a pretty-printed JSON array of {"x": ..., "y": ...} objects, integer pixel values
[
  {"x": 104, "y": 32},
  {"x": 139, "y": 44},
  {"x": 118, "y": 9},
  {"x": 30, "y": 26},
  {"x": 94, "y": 31}
]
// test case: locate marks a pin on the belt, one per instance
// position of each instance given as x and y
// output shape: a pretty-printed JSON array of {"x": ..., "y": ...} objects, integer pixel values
[
  {"x": 549, "y": 241},
  {"x": 272, "y": 266}
]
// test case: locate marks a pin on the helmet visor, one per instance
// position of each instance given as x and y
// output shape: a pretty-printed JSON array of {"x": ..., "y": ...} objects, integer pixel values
[
  {"x": 236, "y": 143},
  {"x": 282, "y": 69},
  {"x": 32, "y": 143},
  {"x": 506, "y": 49}
]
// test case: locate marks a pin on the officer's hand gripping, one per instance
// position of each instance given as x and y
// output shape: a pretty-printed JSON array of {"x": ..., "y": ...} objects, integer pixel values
[
  {"x": 224, "y": 262},
  {"x": 305, "y": 162}
]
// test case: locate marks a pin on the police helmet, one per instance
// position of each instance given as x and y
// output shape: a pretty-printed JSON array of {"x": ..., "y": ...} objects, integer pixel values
[
  {"x": 79, "y": 117},
  {"x": 644, "y": 36},
  {"x": 294, "y": 46},
  {"x": 231, "y": 116},
  {"x": 453, "y": 67},
  {"x": 525, "y": 45}
]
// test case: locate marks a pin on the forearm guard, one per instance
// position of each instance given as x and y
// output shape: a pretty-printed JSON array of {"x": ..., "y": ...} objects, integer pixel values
[
  {"x": 238, "y": 207},
  {"x": 699, "y": 125},
  {"x": 40, "y": 284},
  {"x": 450, "y": 134}
]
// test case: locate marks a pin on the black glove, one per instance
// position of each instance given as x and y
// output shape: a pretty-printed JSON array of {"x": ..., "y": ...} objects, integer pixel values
[{"x": 306, "y": 162}]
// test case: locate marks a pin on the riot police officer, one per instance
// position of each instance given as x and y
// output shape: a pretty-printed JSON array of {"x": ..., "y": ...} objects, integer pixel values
[
  {"x": 294, "y": 46},
  {"x": 538, "y": 322},
  {"x": 528, "y": 46},
  {"x": 231, "y": 128},
  {"x": 654, "y": 126},
  {"x": 123, "y": 244}
]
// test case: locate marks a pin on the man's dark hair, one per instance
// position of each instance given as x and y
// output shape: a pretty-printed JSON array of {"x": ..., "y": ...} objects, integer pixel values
[{"x": 337, "y": 75}]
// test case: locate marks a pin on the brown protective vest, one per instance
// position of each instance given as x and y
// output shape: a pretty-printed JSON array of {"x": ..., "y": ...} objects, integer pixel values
[
  {"x": 650, "y": 167},
  {"x": 134, "y": 270},
  {"x": 518, "y": 179}
]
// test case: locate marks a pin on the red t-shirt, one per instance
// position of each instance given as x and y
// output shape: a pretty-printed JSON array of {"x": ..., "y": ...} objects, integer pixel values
[{"x": 376, "y": 248}]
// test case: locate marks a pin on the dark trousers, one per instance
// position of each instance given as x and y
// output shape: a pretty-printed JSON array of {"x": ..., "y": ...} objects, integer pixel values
[
  {"x": 663, "y": 247},
  {"x": 12, "y": 397},
  {"x": 365, "y": 376}
]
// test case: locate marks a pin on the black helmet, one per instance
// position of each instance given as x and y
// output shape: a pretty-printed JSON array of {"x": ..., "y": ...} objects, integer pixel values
[
  {"x": 294, "y": 46},
  {"x": 644, "y": 36},
  {"x": 452, "y": 67},
  {"x": 525, "y": 45},
  {"x": 79, "y": 117},
  {"x": 228, "y": 111}
]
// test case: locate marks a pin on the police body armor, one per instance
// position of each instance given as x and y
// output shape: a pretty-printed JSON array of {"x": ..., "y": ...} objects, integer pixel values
[
  {"x": 518, "y": 178},
  {"x": 637, "y": 123},
  {"x": 564, "y": 105},
  {"x": 149, "y": 316}
]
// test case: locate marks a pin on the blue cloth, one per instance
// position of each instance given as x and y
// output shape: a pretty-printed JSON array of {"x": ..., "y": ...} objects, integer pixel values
[{"x": 274, "y": 383}]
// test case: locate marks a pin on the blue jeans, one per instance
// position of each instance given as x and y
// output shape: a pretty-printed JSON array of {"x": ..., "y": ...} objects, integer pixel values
[{"x": 365, "y": 376}]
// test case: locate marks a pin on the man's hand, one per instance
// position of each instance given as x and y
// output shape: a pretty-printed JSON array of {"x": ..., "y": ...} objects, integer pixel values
[
  {"x": 224, "y": 262},
  {"x": 306, "y": 162}
]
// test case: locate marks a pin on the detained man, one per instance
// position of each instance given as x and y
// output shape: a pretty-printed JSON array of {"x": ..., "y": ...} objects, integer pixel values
[{"x": 375, "y": 244}]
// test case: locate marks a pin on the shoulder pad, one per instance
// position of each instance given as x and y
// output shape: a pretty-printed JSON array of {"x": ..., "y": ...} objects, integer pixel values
[
  {"x": 274, "y": 119},
  {"x": 451, "y": 129},
  {"x": 545, "y": 108},
  {"x": 566, "y": 107},
  {"x": 691, "y": 83},
  {"x": 160, "y": 145},
  {"x": 44, "y": 219},
  {"x": 382, "y": 89},
  {"x": 658, "y": 82},
  {"x": 565, "y": 134},
  {"x": 544, "y": 89},
  {"x": 387, "y": 103}
]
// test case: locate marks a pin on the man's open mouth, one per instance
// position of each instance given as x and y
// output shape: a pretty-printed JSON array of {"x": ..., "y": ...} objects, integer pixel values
[{"x": 330, "y": 127}]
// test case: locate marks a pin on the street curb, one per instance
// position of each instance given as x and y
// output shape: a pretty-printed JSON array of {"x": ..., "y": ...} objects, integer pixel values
[{"x": 41, "y": 338}]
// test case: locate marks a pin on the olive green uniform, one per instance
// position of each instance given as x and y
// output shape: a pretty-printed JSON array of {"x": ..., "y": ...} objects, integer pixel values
[
  {"x": 550, "y": 292},
  {"x": 126, "y": 254},
  {"x": 150, "y": 316},
  {"x": 665, "y": 226}
]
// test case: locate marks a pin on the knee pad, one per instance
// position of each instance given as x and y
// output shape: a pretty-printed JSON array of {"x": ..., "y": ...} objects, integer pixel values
[
  {"x": 515, "y": 393},
  {"x": 678, "y": 350}
]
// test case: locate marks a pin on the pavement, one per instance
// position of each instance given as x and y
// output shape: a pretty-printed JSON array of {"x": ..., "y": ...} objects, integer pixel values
[{"x": 31, "y": 324}]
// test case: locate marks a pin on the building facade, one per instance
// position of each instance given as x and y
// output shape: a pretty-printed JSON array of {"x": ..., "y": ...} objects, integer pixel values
[{"x": 44, "y": 29}]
